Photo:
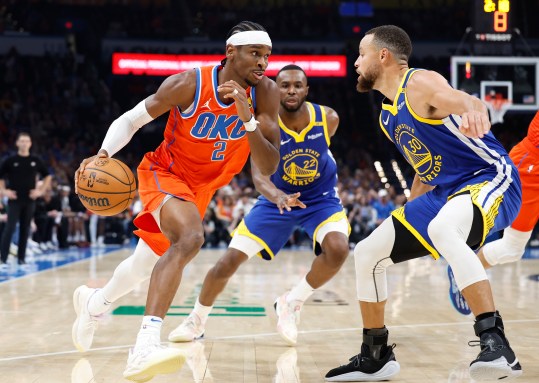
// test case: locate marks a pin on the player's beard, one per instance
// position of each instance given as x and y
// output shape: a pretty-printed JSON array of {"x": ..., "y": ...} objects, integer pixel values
[
  {"x": 366, "y": 81},
  {"x": 293, "y": 109},
  {"x": 250, "y": 83}
]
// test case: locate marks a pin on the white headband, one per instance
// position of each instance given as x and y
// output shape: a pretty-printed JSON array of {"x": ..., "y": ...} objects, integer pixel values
[{"x": 249, "y": 38}]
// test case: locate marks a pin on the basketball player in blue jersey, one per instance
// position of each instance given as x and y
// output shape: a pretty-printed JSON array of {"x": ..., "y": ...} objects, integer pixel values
[
  {"x": 306, "y": 169},
  {"x": 464, "y": 188}
]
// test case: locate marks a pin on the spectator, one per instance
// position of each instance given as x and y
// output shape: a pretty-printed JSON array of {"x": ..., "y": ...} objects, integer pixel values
[
  {"x": 47, "y": 217},
  {"x": 21, "y": 172},
  {"x": 362, "y": 218},
  {"x": 211, "y": 238},
  {"x": 383, "y": 205}
]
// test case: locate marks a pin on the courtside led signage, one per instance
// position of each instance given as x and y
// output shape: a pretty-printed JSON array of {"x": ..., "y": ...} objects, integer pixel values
[{"x": 166, "y": 65}]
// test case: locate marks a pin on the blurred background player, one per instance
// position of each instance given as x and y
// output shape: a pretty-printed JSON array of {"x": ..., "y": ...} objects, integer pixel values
[
  {"x": 307, "y": 170},
  {"x": 465, "y": 187},
  {"x": 212, "y": 116},
  {"x": 511, "y": 246}
]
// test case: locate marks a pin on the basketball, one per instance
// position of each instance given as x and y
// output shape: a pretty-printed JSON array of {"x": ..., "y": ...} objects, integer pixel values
[{"x": 106, "y": 186}]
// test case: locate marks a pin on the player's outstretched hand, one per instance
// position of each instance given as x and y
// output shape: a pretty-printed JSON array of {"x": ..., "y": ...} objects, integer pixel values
[
  {"x": 475, "y": 124},
  {"x": 288, "y": 201},
  {"x": 86, "y": 161}
]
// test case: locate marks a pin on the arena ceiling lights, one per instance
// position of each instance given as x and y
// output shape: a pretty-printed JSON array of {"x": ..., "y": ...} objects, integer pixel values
[{"x": 165, "y": 65}]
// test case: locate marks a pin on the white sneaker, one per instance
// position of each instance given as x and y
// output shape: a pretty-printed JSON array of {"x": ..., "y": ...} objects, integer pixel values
[
  {"x": 288, "y": 319},
  {"x": 152, "y": 359},
  {"x": 13, "y": 249},
  {"x": 190, "y": 329},
  {"x": 85, "y": 325}
]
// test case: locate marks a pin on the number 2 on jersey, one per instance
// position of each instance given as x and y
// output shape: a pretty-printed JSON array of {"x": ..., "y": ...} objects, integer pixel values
[{"x": 218, "y": 155}]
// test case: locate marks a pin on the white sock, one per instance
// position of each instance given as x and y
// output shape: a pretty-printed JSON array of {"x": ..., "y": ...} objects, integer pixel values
[
  {"x": 202, "y": 311},
  {"x": 301, "y": 292},
  {"x": 98, "y": 304},
  {"x": 150, "y": 328}
]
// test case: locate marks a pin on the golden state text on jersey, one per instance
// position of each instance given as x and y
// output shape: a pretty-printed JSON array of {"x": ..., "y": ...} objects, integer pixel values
[{"x": 307, "y": 165}]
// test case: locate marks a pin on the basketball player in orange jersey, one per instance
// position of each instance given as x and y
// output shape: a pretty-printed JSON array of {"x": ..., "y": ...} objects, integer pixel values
[
  {"x": 308, "y": 170},
  {"x": 217, "y": 115},
  {"x": 511, "y": 246}
]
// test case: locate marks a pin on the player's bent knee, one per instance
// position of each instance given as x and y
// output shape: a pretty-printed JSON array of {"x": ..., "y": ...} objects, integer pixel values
[
  {"x": 506, "y": 249},
  {"x": 336, "y": 250},
  {"x": 437, "y": 230},
  {"x": 188, "y": 244},
  {"x": 364, "y": 257},
  {"x": 227, "y": 266}
]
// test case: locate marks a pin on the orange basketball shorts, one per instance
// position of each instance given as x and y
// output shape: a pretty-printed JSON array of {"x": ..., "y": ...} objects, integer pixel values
[
  {"x": 526, "y": 158},
  {"x": 155, "y": 183}
]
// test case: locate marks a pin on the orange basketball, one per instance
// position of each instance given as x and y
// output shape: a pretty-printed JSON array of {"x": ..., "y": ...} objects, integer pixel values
[{"x": 106, "y": 186}]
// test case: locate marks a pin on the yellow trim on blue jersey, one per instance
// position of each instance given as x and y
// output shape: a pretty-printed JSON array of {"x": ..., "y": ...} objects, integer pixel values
[
  {"x": 334, "y": 218},
  {"x": 383, "y": 128},
  {"x": 417, "y": 117},
  {"x": 301, "y": 136},
  {"x": 243, "y": 230},
  {"x": 488, "y": 217},
  {"x": 399, "y": 214},
  {"x": 325, "y": 125},
  {"x": 393, "y": 107}
]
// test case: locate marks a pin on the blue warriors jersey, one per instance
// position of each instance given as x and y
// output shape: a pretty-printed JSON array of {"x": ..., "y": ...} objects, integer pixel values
[
  {"x": 307, "y": 165},
  {"x": 439, "y": 153},
  {"x": 444, "y": 157}
]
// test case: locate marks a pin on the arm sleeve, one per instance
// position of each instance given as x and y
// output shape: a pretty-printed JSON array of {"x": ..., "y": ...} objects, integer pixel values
[{"x": 124, "y": 127}]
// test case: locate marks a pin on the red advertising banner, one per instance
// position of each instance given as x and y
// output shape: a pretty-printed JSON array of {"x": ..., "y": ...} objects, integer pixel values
[{"x": 165, "y": 64}]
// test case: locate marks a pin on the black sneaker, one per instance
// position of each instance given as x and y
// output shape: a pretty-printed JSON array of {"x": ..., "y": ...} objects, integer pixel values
[
  {"x": 366, "y": 369},
  {"x": 496, "y": 360}
]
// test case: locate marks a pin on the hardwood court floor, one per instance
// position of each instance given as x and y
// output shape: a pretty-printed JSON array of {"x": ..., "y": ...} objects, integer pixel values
[{"x": 241, "y": 344}]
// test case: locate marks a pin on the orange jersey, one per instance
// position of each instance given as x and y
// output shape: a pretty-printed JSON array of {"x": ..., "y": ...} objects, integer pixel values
[
  {"x": 206, "y": 145},
  {"x": 533, "y": 131},
  {"x": 203, "y": 148},
  {"x": 525, "y": 155}
]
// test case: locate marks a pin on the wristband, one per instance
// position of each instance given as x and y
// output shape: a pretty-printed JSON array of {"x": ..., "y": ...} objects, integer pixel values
[{"x": 251, "y": 125}]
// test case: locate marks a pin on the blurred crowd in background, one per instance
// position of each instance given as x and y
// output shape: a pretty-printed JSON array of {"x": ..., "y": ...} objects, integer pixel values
[{"x": 67, "y": 102}]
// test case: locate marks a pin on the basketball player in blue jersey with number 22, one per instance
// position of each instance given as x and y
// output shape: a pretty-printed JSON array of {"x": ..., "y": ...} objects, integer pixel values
[
  {"x": 465, "y": 187},
  {"x": 307, "y": 170}
]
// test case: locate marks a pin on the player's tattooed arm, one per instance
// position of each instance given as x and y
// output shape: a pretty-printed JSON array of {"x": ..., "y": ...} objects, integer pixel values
[{"x": 268, "y": 189}]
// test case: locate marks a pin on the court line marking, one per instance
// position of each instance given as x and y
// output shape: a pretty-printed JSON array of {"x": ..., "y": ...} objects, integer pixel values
[
  {"x": 447, "y": 324},
  {"x": 87, "y": 259}
]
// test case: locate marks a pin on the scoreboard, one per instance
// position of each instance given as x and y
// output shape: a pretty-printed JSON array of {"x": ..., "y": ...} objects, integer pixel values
[{"x": 492, "y": 21}]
